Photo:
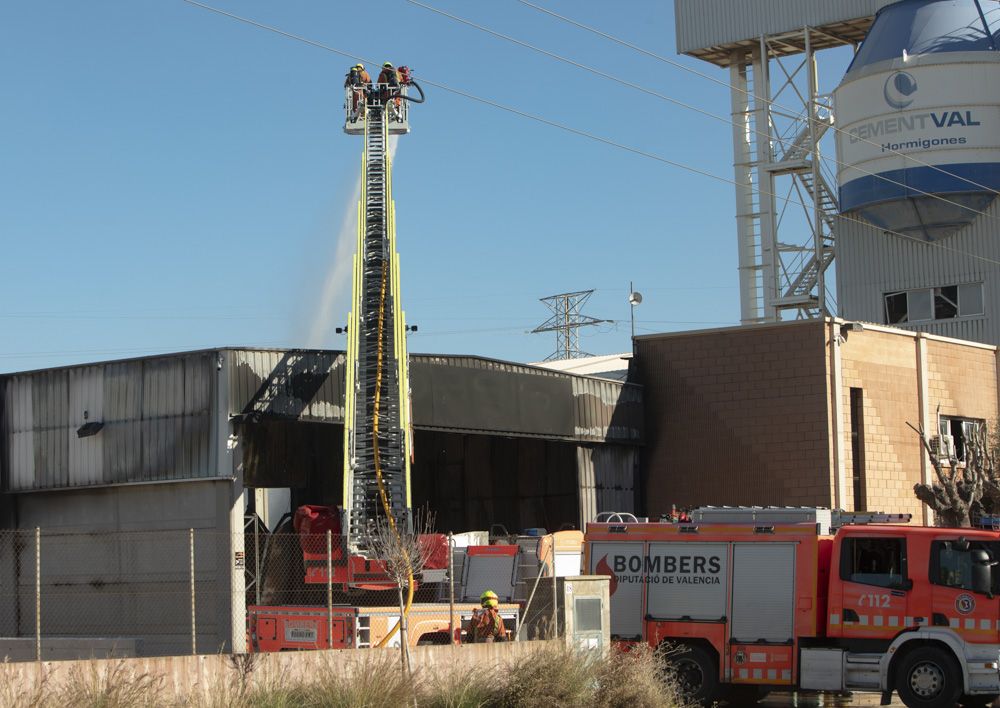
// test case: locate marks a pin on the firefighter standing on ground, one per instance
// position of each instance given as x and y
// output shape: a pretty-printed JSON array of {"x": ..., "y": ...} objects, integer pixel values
[{"x": 486, "y": 624}]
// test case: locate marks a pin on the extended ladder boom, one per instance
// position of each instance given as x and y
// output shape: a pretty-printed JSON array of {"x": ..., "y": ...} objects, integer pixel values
[{"x": 376, "y": 431}]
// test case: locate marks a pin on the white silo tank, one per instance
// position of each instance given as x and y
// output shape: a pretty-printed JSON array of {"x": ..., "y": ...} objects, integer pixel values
[{"x": 918, "y": 113}]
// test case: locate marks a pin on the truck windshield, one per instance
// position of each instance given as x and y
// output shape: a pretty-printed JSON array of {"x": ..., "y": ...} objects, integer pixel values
[{"x": 952, "y": 567}]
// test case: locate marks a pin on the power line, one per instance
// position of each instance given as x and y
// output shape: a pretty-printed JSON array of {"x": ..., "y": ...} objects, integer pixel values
[
  {"x": 591, "y": 136},
  {"x": 669, "y": 99},
  {"x": 730, "y": 86}
]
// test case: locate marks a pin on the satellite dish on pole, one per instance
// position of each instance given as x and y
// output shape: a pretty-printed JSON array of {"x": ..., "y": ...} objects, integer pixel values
[{"x": 634, "y": 298}]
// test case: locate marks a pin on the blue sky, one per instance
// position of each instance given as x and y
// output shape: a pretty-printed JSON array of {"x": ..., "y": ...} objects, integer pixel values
[{"x": 173, "y": 179}]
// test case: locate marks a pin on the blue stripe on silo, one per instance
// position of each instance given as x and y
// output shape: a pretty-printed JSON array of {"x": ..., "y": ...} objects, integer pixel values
[{"x": 919, "y": 181}]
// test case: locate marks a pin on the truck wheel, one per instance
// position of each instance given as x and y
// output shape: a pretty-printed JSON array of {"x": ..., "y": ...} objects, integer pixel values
[
  {"x": 928, "y": 677},
  {"x": 696, "y": 674},
  {"x": 979, "y": 701}
]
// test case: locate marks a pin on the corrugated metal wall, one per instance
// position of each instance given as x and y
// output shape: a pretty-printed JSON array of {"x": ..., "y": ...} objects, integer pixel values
[
  {"x": 156, "y": 416},
  {"x": 607, "y": 410},
  {"x": 309, "y": 385},
  {"x": 871, "y": 264},
  {"x": 606, "y": 480},
  {"x": 157, "y": 413},
  {"x": 706, "y": 23},
  {"x": 293, "y": 384}
]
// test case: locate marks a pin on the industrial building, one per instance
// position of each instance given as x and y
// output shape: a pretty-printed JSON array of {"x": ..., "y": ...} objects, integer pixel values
[
  {"x": 887, "y": 179},
  {"x": 806, "y": 413},
  {"x": 197, "y": 440}
]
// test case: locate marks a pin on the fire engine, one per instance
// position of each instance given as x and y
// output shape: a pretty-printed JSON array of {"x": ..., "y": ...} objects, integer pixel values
[{"x": 756, "y": 599}]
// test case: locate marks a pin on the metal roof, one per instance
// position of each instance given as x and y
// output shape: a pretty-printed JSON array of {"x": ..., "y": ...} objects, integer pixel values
[{"x": 713, "y": 30}]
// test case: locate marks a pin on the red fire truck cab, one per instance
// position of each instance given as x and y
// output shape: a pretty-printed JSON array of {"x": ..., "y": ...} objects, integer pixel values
[{"x": 761, "y": 598}]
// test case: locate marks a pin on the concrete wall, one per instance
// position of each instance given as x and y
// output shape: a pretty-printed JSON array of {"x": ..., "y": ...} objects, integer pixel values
[
  {"x": 116, "y": 562},
  {"x": 735, "y": 416},
  {"x": 214, "y": 677}
]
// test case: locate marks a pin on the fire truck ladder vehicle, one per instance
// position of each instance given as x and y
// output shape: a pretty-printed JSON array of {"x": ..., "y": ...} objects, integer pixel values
[
  {"x": 377, "y": 444},
  {"x": 758, "y": 599}
]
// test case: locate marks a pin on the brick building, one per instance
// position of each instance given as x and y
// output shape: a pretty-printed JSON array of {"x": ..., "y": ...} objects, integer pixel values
[{"x": 810, "y": 413}]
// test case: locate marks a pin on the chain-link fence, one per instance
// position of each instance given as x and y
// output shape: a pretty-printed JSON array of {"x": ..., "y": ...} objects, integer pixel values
[
  {"x": 181, "y": 591},
  {"x": 149, "y": 593}
]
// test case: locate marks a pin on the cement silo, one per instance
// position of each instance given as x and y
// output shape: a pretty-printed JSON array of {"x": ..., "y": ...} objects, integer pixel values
[
  {"x": 919, "y": 118},
  {"x": 918, "y": 146}
]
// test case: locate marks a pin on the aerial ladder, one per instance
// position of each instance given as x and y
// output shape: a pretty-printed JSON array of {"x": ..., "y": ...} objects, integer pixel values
[
  {"x": 335, "y": 544},
  {"x": 377, "y": 431}
]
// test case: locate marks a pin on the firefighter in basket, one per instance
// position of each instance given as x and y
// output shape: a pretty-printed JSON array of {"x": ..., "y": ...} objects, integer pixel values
[
  {"x": 388, "y": 89},
  {"x": 486, "y": 624},
  {"x": 359, "y": 82}
]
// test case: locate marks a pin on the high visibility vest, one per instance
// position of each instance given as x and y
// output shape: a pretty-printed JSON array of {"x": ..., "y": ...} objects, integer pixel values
[{"x": 487, "y": 623}]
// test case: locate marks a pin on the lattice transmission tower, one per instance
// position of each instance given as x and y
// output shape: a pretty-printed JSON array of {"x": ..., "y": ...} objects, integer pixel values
[{"x": 566, "y": 321}]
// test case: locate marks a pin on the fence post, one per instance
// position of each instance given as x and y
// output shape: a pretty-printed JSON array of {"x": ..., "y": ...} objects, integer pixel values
[
  {"x": 451, "y": 588},
  {"x": 555, "y": 589},
  {"x": 527, "y": 606},
  {"x": 256, "y": 561},
  {"x": 329, "y": 588},
  {"x": 38, "y": 593},
  {"x": 194, "y": 632}
]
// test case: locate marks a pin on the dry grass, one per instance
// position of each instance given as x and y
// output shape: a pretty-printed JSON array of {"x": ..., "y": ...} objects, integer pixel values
[
  {"x": 96, "y": 684},
  {"x": 557, "y": 677},
  {"x": 378, "y": 680},
  {"x": 375, "y": 680},
  {"x": 460, "y": 689},
  {"x": 552, "y": 676},
  {"x": 14, "y": 693},
  {"x": 637, "y": 678}
]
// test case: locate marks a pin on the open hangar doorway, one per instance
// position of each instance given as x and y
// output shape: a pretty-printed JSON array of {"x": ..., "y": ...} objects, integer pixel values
[{"x": 468, "y": 481}]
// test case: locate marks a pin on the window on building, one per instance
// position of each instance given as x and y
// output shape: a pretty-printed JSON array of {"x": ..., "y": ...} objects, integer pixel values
[
  {"x": 926, "y": 304},
  {"x": 970, "y": 299},
  {"x": 952, "y": 562},
  {"x": 920, "y": 305},
  {"x": 895, "y": 308},
  {"x": 874, "y": 561},
  {"x": 946, "y": 302},
  {"x": 858, "y": 449},
  {"x": 961, "y": 431}
]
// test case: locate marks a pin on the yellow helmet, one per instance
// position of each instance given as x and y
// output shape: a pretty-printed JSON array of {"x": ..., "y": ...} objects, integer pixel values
[
  {"x": 489, "y": 599},
  {"x": 387, "y": 65},
  {"x": 359, "y": 66}
]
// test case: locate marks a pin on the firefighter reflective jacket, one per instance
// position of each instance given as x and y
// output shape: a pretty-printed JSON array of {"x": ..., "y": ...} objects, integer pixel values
[{"x": 487, "y": 625}]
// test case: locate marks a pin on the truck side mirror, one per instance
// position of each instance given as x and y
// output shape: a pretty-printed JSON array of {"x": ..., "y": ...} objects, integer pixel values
[{"x": 982, "y": 573}]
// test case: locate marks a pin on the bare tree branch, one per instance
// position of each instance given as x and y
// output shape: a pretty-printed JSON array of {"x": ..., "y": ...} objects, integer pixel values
[{"x": 956, "y": 497}]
